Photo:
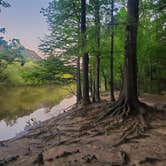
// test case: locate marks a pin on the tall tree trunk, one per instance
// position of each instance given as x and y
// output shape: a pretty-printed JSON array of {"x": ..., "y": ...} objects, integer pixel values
[
  {"x": 105, "y": 81},
  {"x": 128, "y": 99},
  {"x": 86, "y": 99},
  {"x": 130, "y": 71},
  {"x": 91, "y": 81},
  {"x": 94, "y": 82},
  {"x": 97, "y": 78},
  {"x": 94, "y": 91},
  {"x": 128, "y": 104},
  {"x": 97, "y": 94},
  {"x": 78, "y": 82},
  {"x": 112, "y": 55}
]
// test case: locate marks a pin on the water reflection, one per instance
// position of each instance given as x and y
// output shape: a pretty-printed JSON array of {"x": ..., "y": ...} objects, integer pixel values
[
  {"x": 20, "y": 105},
  {"x": 11, "y": 129},
  {"x": 20, "y": 101}
]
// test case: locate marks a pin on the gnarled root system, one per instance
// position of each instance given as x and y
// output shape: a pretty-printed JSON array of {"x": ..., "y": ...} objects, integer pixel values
[{"x": 132, "y": 116}]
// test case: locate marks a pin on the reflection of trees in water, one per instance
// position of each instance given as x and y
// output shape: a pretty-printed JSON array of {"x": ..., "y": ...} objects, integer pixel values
[
  {"x": 21, "y": 101},
  {"x": 10, "y": 122},
  {"x": 10, "y": 117},
  {"x": 3, "y": 114}
]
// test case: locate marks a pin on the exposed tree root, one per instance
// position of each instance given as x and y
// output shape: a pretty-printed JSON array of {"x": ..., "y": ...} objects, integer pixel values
[
  {"x": 121, "y": 109},
  {"x": 151, "y": 160},
  {"x": 133, "y": 130},
  {"x": 132, "y": 116}
]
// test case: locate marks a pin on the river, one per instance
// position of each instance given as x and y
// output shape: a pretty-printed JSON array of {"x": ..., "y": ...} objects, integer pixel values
[{"x": 23, "y": 107}]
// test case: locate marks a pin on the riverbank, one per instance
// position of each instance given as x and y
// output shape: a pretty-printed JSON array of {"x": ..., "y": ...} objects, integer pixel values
[
  {"x": 22, "y": 107},
  {"x": 22, "y": 124},
  {"x": 17, "y": 102},
  {"x": 73, "y": 138}
]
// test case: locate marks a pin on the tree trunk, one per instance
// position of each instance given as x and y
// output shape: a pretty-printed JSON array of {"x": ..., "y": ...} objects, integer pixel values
[
  {"x": 94, "y": 91},
  {"x": 97, "y": 78},
  {"x": 86, "y": 99},
  {"x": 97, "y": 94},
  {"x": 78, "y": 82},
  {"x": 128, "y": 104},
  {"x": 129, "y": 91},
  {"x": 112, "y": 55},
  {"x": 105, "y": 81},
  {"x": 93, "y": 82}
]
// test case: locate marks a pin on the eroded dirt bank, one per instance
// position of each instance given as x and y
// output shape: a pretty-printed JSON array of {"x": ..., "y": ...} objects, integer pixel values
[{"x": 73, "y": 139}]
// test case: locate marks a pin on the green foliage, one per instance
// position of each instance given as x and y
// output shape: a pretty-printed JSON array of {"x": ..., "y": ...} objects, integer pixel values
[
  {"x": 51, "y": 70},
  {"x": 151, "y": 54},
  {"x": 9, "y": 53},
  {"x": 13, "y": 73},
  {"x": 19, "y": 66},
  {"x": 63, "y": 18}
]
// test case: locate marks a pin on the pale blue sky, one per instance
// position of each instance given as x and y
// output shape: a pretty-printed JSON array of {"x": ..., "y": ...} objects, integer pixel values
[{"x": 24, "y": 21}]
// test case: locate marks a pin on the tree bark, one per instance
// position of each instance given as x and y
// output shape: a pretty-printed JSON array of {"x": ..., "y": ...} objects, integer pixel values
[
  {"x": 128, "y": 104},
  {"x": 105, "y": 81},
  {"x": 86, "y": 99},
  {"x": 91, "y": 82},
  {"x": 129, "y": 91},
  {"x": 97, "y": 78},
  {"x": 78, "y": 82},
  {"x": 94, "y": 91},
  {"x": 112, "y": 55},
  {"x": 97, "y": 94}
]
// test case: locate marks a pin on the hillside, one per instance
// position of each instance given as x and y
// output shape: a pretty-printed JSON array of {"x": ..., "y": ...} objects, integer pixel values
[
  {"x": 30, "y": 54},
  {"x": 14, "y": 49}
]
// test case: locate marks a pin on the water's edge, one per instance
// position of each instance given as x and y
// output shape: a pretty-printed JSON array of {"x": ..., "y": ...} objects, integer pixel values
[{"x": 34, "y": 120}]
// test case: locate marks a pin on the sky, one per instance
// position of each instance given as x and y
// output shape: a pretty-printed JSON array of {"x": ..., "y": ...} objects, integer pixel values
[{"x": 24, "y": 21}]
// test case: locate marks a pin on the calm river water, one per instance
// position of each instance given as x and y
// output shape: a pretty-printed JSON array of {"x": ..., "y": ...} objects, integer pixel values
[{"x": 23, "y": 107}]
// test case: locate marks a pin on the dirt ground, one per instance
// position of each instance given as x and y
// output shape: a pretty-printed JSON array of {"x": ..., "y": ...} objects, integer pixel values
[{"x": 74, "y": 139}]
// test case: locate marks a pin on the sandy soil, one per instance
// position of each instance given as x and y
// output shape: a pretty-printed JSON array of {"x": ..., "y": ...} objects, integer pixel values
[{"x": 73, "y": 139}]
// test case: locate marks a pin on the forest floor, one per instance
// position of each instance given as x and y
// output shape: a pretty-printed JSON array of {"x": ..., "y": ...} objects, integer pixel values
[{"x": 74, "y": 139}]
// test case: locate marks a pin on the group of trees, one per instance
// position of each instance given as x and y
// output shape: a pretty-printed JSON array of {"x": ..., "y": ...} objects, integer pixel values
[
  {"x": 92, "y": 33},
  {"x": 28, "y": 68},
  {"x": 95, "y": 41},
  {"x": 151, "y": 57},
  {"x": 49, "y": 71},
  {"x": 76, "y": 30},
  {"x": 10, "y": 52}
]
